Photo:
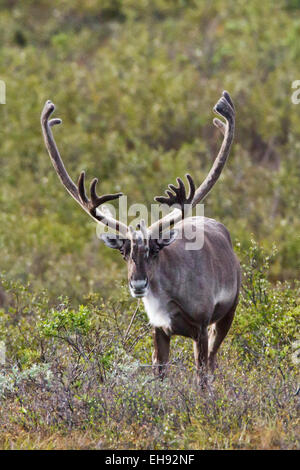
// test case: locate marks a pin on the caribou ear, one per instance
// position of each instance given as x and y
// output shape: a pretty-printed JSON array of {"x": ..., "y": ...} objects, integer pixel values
[
  {"x": 113, "y": 241},
  {"x": 167, "y": 239}
]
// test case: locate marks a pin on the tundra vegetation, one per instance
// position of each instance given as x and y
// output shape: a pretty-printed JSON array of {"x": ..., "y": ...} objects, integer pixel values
[{"x": 135, "y": 83}]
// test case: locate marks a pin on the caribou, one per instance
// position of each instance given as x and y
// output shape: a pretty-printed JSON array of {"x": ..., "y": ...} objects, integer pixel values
[{"x": 192, "y": 293}]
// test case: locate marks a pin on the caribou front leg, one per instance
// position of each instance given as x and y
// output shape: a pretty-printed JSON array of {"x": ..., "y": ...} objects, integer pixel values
[
  {"x": 161, "y": 351},
  {"x": 201, "y": 356}
]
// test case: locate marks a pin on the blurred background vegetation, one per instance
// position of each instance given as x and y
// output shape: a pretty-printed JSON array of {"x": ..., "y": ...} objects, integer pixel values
[{"x": 135, "y": 83}]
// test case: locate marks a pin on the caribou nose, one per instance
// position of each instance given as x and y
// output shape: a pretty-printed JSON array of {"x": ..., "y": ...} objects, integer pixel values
[
  {"x": 138, "y": 287},
  {"x": 139, "y": 284}
]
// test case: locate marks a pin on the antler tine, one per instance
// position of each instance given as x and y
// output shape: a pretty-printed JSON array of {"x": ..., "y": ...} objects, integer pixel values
[
  {"x": 178, "y": 196},
  {"x": 81, "y": 188},
  {"x": 55, "y": 121},
  {"x": 77, "y": 192},
  {"x": 131, "y": 232},
  {"x": 98, "y": 200},
  {"x": 220, "y": 125},
  {"x": 228, "y": 99},
  {"x": 94, "y": 196},
  {"x": 192, "y": 189},
  {"x": 181, "y": 189},
  {"x": 217, "y": 122}
]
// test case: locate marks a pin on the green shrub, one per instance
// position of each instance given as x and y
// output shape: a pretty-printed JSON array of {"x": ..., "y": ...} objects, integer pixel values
[{"x": 268, "y": 316}]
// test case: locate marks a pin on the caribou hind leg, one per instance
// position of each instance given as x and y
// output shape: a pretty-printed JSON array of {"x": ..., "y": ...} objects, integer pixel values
[
  {"x": 217, "y": 334},
  {"x": 201, "y": 356},
  {"x": 160, "y": 356}
]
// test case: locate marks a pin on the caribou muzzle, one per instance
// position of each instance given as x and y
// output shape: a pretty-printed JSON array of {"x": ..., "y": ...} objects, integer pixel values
[{"x": 139, "y": 288}]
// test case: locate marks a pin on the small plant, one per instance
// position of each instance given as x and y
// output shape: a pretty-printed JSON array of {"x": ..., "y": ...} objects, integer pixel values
[{"x": 67, "y": 320}]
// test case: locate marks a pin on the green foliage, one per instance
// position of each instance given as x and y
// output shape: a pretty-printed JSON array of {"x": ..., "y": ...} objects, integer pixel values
[
  {"x": 135, "y": 83},
  {"x": 268, "y": 315},
  {"x": 19, "y": 319},
  {"x": 66, "y": 319}
]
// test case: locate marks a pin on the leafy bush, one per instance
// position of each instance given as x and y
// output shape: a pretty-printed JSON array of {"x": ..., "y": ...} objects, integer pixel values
[
  {"x": 268, "y": 315},
  {"x": 67, "y": 320}
]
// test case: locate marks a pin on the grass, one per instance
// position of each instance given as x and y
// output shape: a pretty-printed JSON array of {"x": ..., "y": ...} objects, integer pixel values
[{"x": 247, "y": 407}]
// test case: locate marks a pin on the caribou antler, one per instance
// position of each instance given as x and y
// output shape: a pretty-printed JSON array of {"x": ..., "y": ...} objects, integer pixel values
[
  {"x": 224, "y": 108},
  {"x": 178, "y": 196},
  {"x": 78, "y": 192}
]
